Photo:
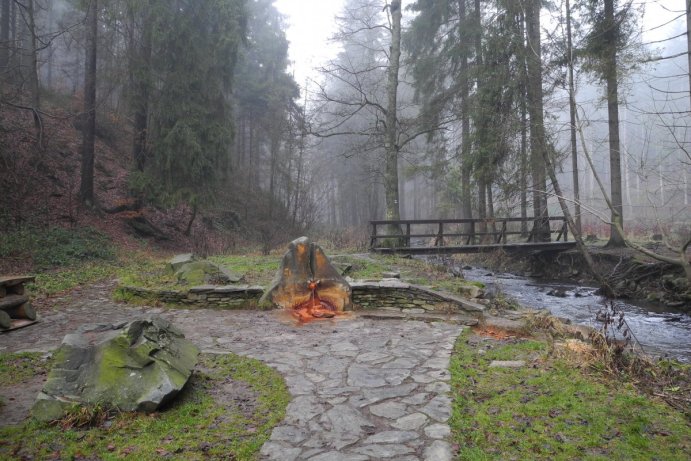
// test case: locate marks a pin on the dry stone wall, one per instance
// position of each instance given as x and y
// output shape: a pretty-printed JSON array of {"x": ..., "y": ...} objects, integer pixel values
[{"x": 387, "y": 294}]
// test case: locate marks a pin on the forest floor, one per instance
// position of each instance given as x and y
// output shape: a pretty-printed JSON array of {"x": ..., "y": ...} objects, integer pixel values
[{"x": 556, "y": 399}]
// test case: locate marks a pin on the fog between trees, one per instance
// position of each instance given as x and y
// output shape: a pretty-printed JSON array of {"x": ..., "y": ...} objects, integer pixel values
[{"x": 206, "y": 92}]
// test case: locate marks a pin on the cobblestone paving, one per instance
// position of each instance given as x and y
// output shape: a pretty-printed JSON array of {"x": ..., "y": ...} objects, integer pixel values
[{"x": 362, "y": 389}]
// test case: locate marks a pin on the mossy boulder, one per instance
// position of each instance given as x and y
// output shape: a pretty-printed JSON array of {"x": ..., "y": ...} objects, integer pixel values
[
  {"x": 203, "y": 272},
  {"x": 177, "y": 261},
  {"x": 136, "y": 366}
]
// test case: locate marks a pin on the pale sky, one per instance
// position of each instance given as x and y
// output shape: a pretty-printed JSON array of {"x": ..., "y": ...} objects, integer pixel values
[{"x": 310, "y": 26}]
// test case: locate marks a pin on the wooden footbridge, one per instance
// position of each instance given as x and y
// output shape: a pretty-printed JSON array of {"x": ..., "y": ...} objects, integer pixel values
[{"x": 437, "y": 236}]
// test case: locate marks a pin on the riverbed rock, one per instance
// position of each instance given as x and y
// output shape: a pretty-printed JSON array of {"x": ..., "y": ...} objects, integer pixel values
[{"x": 136, "y": 366}]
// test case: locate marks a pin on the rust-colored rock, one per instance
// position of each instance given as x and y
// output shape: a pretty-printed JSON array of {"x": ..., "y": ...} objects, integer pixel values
[{"x": 304, "y": 263}]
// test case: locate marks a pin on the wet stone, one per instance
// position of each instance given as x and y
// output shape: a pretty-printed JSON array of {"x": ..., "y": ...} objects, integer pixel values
[
  {"x": 438, "y": 387},
  {"x": 438, "y": 431},
  {"x": 383, "y": 451},
  {"x": 410, "y": 422},
  {"x": 390, "y": 410},
  {"x": 278, "y": 452},
  {"x": 438, "y": 451},
  {"x": 338, "y": 456},
  {"x": 397, "y": 437},
  {"x": 291, "y": 434},
  {"x": 439, "y": 408}
]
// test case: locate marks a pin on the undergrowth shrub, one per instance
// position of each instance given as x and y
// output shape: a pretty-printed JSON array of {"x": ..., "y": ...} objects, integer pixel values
[{"x": 57, "y": 246}]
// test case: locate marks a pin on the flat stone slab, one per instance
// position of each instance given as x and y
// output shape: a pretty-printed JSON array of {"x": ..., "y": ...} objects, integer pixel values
[
  {"x": 426, "y": 317},
  {"x": 507, "y": 364},
  {"x": 12, "y": 280},
  {"x": 363, "y": 389}
]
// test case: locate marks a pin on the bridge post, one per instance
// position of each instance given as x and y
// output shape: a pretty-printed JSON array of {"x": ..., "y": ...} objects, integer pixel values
[
  {"x": 373, "y": 237},
  {"x": 471, "y": 236},
  {"x": 439, "y": 241},
  {"x": 407, "y": 235}
]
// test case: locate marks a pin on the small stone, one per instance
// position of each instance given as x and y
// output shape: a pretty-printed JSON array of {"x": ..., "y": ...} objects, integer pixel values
[
  {"x": 439, "y": 408},
  {"x": 410, "y": 422},
  {"x": 365, "y": 376},
  {"x": 438, "y": 451},
  {"x": 290, "y": 434},
  {"x": 391, "y": 275},
  {"x": 417, "y": 399},
  {"x": 302, "y": 409},
  {"x": 397, "y": 437},
  {"x": 371, "y": 396},
  {"x": 437, "y": 431},
  {"x": 274, "y": 451},
  {"x": 390, "y": 410},
  {"x": 438, "y": 387},
  {"x": 380, "y": 451},
  {"x": 402, "y": 362},
  {"x": 507, "y": 364},
  {"x": 338, "y": 456}
]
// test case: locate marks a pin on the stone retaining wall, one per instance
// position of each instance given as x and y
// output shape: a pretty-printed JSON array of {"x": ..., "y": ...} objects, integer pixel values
[
  {"x": 394, "y": 295},
  {"x": 224, "y": 297},
  {"x": 387, "y": 294}
]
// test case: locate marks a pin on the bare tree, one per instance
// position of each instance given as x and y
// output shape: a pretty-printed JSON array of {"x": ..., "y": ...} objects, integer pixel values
[{"x": 86, "y": 190}]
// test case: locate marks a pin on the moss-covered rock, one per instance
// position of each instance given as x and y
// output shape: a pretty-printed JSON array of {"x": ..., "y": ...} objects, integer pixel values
[
  {"x": 132, "y": 366},
  {"x": 201, "y": 272}
]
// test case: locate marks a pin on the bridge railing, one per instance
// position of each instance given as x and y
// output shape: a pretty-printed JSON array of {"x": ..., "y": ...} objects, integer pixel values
[{"x": 441, "y": 232}]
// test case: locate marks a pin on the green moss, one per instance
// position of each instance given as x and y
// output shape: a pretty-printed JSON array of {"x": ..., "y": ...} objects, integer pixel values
[
  {"x": 256, "y": 269},
  {"x": 196, "y": 426},
  {"x": 552, "y": 411}
]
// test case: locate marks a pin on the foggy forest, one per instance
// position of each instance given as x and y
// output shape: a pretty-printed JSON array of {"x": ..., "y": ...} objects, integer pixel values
[
  {"x": 205, "y": 94},
  {"x": 345, "y": 229}
]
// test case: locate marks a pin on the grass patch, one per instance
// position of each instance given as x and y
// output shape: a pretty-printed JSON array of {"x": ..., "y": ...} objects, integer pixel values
[
  {"x": 202, "y": 423},
  {"x": 56, "y": 281},
  {"x": 17, "y": 368},
  {"x": 256, "y": 269},
  {"x": 60, "y": 258},
  {"x": 552, "y": 411}
]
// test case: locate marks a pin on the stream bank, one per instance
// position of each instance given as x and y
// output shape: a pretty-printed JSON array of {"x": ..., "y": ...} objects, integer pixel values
[
  {"x": 560, "y": 283},
  {"x": 631, "y": 275}
]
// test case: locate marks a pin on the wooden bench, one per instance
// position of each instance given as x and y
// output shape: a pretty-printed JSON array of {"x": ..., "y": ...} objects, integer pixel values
[{"x": 16, "y": 310}]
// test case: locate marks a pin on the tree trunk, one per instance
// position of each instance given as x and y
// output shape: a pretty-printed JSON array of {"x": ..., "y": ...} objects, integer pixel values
[
  {"x": 481, "y": 182},
  {"x": 193, "y": 216},
  {"x": 86, "y": 190},
  {"x": 466, "y": 199},
  {"x": 490, "y": 207},
  {"x": 615, "y": 238},
  {"x": 140, "y": 100},
  {"x": 5, "y": 39},
  {"x": 482, "y": 208},
  {"x": 688, "y": 41},
  {"x": 523, "y": 174},
  {"x": 572, "y": 119},
  {"x": 391, "y": 167},
  {"x": 537, "y": 128},
  {"x": 33, "y": 62}
]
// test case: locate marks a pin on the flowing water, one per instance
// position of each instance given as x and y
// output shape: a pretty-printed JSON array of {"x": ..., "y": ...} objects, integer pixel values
[{"x": 661, "y": 331}]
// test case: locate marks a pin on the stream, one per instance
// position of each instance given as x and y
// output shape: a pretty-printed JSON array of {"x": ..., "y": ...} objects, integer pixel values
[{"x": 661, "y": 331}]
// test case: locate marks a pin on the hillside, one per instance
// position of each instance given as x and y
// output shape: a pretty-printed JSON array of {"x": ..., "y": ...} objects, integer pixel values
[{"x": 40, "y": 184}]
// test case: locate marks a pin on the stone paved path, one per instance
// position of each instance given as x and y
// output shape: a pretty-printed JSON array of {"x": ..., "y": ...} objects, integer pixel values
[{"x": 362, "y": 389}]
